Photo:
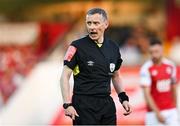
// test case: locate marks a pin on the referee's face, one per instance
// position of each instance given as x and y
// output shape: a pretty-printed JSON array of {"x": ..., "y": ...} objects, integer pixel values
[{"x": 96, "y": 25}]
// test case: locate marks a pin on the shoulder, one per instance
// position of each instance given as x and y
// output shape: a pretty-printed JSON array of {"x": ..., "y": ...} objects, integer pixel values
[
  {"x": 168, "y": 62},
  {"x": 113, "y": 44},
  {"x": 145, "y": 75},
  {"x": 146, "y": 65},
  {"x": 80, "y": 41}
]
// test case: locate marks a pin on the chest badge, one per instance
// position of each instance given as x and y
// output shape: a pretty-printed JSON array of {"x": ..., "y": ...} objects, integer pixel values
[
  {"x": 154, "y": 73},
  {"x": 112, "y": 67},
  {"x": 168, "y": 70}
]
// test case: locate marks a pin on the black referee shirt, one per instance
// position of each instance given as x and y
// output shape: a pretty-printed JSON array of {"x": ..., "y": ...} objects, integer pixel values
[{"x": 95, "y": 65}]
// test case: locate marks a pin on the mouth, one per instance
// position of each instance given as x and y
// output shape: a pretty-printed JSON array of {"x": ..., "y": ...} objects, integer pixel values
[{"x": 93, "y": 33}]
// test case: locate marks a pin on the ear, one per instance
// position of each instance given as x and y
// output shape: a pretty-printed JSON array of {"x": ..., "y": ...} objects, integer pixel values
[{"x": 106, "y": 24}]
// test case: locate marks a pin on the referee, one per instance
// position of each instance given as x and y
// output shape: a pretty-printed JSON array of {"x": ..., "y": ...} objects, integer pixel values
[{"x": 94, "y": 61}]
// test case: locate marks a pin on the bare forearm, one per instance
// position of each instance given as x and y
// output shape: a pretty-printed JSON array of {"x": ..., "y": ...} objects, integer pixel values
[
  {"x": 123, "y": 98},
  {"x": 65, "y": 86},
  {"x": 116, "y": 80},
  {"x": 150, "y": 101},
  {"x": 65, "y": 90},
  {"x": 174, "y": 93}
]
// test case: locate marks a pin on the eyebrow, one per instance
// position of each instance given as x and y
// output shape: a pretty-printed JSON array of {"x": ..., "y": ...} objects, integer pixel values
[{"x": 93, "y": 21}]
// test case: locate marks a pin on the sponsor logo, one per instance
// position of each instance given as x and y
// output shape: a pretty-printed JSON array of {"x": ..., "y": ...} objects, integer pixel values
[{"x": 164, "y": 85}]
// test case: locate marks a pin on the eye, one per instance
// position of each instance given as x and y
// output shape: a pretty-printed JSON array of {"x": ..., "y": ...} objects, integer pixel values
[
  {"x": 96, "y": 23},
  {"x": 88, "y": 23}
]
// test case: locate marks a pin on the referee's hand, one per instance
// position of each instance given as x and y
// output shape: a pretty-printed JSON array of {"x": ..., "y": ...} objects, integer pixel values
[
  {"x": 71, "y": 112},
  {"x": 126, "y": 107}
]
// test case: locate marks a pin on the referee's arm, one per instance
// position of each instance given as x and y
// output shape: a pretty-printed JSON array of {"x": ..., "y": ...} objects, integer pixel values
[
  {"x": 64, "y": 83},
  {"x": 117, "y": 83},
  {"x": 65, "y": 90}
]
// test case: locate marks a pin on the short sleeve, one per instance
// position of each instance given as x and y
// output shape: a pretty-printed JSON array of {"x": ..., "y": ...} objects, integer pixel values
[
  {"x": 70, "y": 58},
  {"x": 145, "y": 78},
  {"x": 119, "y": 61}
]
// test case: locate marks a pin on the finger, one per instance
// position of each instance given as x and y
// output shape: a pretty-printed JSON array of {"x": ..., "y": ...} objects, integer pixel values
[
  {"x": 73, "y": 116},
  {"x": 68, "y": 115},
  {"x": 76, "y": 114},
  {"x": 127, "y": 113},
  {"x": 126, "y": 108},
  {"x": 129, "y": 109}
]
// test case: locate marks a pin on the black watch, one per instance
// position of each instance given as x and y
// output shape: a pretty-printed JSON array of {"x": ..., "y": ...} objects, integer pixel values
[{"x": 66, "y": 105}]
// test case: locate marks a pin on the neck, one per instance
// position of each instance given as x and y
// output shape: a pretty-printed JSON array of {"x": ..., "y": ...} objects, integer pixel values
[
  {"x": 100, "y": 40},
  {"x": 158, "y": 61}
]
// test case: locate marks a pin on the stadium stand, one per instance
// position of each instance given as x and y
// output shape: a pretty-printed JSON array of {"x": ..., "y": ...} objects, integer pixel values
[{"x": 17, "y": 60}]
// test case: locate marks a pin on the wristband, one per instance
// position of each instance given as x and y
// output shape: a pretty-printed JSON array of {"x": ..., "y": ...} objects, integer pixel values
[
  {"x": 66, "y": 105},
  {"x": 123, "y": 97}
]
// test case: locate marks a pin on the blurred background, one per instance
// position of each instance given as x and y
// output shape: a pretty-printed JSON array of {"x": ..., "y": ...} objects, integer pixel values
[{"x": 34, "y": 35}]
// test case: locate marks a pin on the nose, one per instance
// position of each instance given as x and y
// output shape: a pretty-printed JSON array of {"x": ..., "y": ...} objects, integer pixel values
[{"x": 92, "y": 27}]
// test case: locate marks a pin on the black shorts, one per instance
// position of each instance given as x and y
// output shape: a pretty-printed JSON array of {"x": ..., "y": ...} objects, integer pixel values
[{"x": 94, "y": 110}]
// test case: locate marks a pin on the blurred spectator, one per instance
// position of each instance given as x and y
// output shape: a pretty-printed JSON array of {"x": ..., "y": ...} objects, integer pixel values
[
  {"x": 119, "y": 34},
  {"x": 143, "y": 44},
  {"x": 130, "y": 53},
  {"x": 7, "y": 87},
  {"x": 133, "y": 42},
  {"x": 175, "y": 50},
  {"x": 15, "y": 63}
]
